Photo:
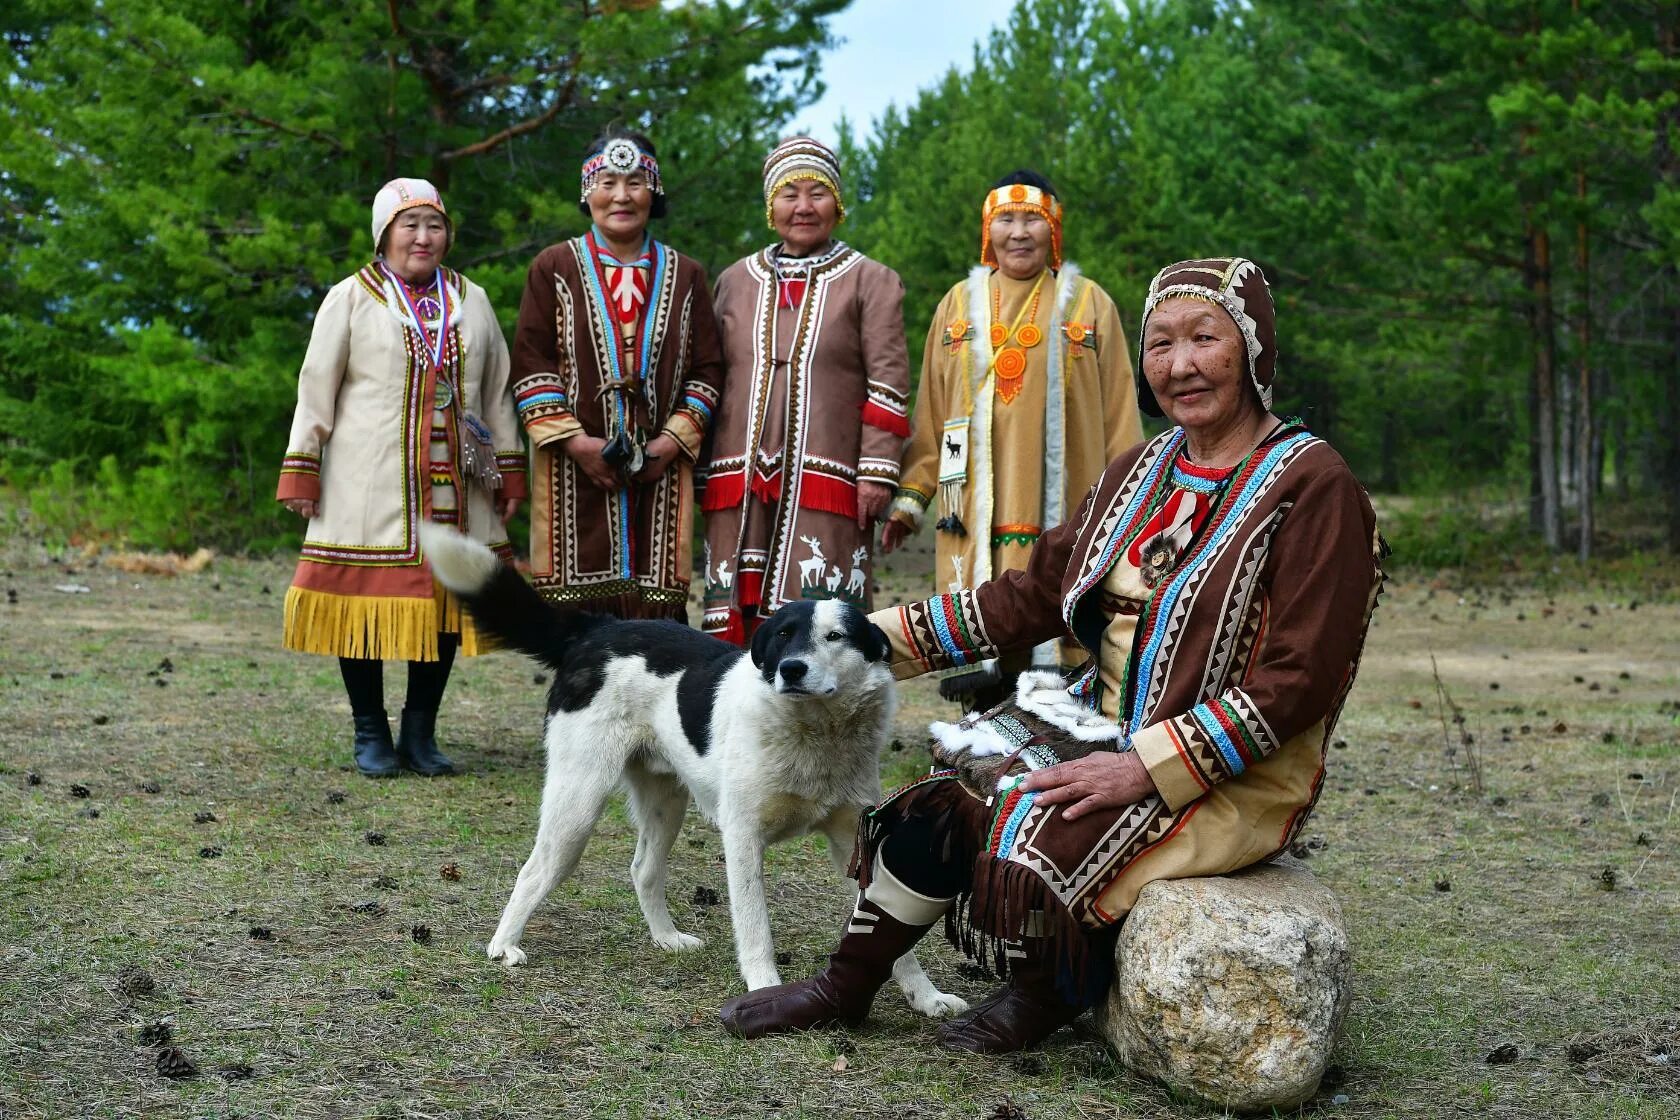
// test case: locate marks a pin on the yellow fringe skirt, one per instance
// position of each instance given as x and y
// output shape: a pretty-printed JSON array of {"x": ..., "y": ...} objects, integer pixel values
[{"x": 386, "y": 627}]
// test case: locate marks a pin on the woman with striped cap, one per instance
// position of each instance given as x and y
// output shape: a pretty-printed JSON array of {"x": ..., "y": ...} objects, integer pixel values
[{"x": 812, "y": 422}]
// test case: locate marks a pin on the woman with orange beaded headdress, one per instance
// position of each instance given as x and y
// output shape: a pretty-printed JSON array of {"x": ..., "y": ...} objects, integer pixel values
[{"x": 1025, "y": 395}]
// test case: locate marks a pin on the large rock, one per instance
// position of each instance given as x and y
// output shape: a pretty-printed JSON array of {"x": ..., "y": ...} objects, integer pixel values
[{"x": 1232, "y": 988}]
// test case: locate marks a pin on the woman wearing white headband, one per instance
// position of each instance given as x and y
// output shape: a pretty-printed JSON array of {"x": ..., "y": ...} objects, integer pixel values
[
  {"x": 814, "y": 413},
  {"x": 616, "y": 373},
  {"x": 404, "y": 413}
]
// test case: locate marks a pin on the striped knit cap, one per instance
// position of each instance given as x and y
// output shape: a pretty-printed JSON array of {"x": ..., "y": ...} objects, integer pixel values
[
  {"x": 1235, "y": 284},
  {"x": 801, "y": 157}
]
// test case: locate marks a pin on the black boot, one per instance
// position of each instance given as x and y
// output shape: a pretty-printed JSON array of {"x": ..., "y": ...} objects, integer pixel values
[
  {"x": 841, "y": 993},
  {"x": 417, "y": 748},
  {"x": 1018, "y": 1017},
  {"x": 374, "y": 756}
]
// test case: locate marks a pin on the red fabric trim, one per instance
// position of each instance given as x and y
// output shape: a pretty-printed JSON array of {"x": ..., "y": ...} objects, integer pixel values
[
  {"x": 767, "y": 490},
  {"x": 828, "y": 494},
  {"x": 886, "y": 420},
  {"x": 724, "y": 491},
  {"x": 732, "y": 630},
  {"x": 412, "y": 581},
  {"x": 298, "y": 485},
  {"x": 749, "y": 588},
  {"x": 514, "y": 485}
]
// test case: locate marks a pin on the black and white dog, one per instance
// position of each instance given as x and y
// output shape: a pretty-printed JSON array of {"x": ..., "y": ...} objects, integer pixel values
[{"x": 772, "y": 746}]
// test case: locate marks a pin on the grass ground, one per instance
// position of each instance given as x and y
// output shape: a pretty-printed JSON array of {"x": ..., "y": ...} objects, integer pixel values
[{"x": 175, "y": 799}]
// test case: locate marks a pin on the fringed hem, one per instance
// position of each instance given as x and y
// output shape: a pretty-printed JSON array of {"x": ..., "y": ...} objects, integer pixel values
[
  {"x": 384, "y": 627},
  {"x": 1002, "y": 902}
]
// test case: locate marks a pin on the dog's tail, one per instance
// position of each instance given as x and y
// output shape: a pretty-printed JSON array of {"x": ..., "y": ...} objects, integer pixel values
[{"x": 502, "y": 603}]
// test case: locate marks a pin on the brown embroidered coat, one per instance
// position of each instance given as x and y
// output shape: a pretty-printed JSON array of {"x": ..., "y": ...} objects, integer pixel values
[
  {"x": 1226, "y": 677},
  {"x": 815, "y": 400},
  {"x": 627, "y": 551}
]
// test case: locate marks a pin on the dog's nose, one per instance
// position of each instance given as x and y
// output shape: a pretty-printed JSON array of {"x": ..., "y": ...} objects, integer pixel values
[{"x": 793, "y": 671}]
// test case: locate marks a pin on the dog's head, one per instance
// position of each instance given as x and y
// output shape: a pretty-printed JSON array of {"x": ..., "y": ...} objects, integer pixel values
[{"x": 818, "y": 648}]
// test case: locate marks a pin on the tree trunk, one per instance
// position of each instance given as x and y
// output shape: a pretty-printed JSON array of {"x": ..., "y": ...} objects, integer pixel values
[
  {"x": 1537, "y": 272},
  {"x": 1586, "y": 458},
  {"x": 1669, "y": 425}
]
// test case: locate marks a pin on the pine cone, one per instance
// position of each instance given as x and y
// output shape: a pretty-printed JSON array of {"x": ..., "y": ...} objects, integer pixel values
[
  {"x": 450, "y": 872},
  {"x": 377, "y": 839},
  {"x": 155, "y": 1034},
  {"x": 204, "y": 818},
  {"x": 421, "y": 935},
  {"x": 134, "y": 982},
  {"x": 172, "y": 1063},
  {"x": 237, "y": 1071}
]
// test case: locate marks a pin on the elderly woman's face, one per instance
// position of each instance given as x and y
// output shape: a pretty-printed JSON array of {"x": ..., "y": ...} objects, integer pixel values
[
  {"x": 1021, "y": 240},
  {"x": 620, "y": 205},
  {"x": 804, "y": 212},
  {"x": 415, "y": 242},
  {"x": 1195, "y": 361}
]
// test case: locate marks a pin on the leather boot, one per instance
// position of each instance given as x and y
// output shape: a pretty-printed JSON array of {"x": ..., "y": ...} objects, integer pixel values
[
  {"x": 842, "y": 992},
  {"x": 1021, "y": 1015},
  {"x": 374, "y": 754},
  {"x": 417, "y": 748}
]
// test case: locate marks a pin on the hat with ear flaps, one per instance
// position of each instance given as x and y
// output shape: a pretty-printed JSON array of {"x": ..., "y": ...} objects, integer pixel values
[
  {"x": 405, "y": 194},
  {"x": 1238, "y": 286}
]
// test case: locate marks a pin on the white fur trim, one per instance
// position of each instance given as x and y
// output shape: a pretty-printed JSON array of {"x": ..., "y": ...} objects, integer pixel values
[{"x": 1046, "y": 696}]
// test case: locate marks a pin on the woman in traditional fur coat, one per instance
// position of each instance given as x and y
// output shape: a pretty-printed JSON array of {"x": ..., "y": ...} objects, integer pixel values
[
  {"x": 1220, "y": 579},
  {"x": 1025, "y": 394},
  {"x": 404, "y": 414}
]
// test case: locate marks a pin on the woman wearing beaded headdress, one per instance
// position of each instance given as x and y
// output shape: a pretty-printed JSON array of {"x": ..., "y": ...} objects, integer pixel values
[
  {"x": 404, "y": 413},
  {"x": 1024, "y": 396},
  {"x": 814, "y": 413},
  {"x": 616, "y": 372}
]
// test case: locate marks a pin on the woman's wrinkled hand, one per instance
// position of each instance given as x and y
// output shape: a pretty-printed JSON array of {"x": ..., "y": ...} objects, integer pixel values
[
  {"x": 303, "y": 507},
  {"x": 585, "y": 451},
  {"x": 661, "y": 452},
  {"x": 1102, "y": 780},
  {"x": 873, "y": 498},
  {"x": 893, "y": 534}
]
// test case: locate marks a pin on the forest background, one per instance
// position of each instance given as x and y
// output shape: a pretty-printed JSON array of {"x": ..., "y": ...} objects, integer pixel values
[{"x": 1470, "y": 213}]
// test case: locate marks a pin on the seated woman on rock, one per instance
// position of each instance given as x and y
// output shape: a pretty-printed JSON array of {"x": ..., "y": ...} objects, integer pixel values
[{"x": 1221, "y": 576}]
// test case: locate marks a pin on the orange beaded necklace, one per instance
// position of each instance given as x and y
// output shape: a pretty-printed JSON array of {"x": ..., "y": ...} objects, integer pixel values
[{"x": 1010, "y": 362}]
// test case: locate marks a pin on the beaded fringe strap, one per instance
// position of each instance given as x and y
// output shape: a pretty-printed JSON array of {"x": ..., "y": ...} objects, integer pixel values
[{"x": 478, "y": 454}]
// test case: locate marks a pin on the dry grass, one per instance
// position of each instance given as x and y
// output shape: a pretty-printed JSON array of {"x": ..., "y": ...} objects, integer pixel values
[{"x": 1478, "y": 922}]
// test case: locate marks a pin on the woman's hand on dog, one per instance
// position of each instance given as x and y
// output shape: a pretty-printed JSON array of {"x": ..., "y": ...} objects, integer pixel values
[{"x": 1101, "y": 780}]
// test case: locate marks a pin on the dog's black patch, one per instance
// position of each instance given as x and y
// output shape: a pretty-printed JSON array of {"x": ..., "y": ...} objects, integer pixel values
[
  {"x": 667, "y": 648},
  {"x": 869, "y": 638},
  {"x": 785, "y": 632}
]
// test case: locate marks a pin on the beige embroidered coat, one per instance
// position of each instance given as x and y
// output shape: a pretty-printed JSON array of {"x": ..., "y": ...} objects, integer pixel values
[{"x": 361, "y": 447}]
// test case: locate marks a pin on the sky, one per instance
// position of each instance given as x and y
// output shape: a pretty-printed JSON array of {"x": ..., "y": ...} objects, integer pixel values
[{"x": 890, "y": 49}]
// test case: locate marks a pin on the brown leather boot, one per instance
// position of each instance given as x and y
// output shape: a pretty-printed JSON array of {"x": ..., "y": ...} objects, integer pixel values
[
  {"x": 1019, "y": 1016},
  {"x": 860, "y": 964}
]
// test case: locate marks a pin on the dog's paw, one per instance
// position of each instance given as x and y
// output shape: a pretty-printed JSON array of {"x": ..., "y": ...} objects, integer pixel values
[
  {"x": 510, "y": 955},
  {"x": 935, "y": 1004},
  {"x": 677, "y": 942}
]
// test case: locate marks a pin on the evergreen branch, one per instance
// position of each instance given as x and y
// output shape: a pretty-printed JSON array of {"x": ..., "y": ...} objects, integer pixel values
[{"x": 531, "y": 124}]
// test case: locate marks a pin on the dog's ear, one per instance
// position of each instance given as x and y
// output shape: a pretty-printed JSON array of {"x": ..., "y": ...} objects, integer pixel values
[
  {"x": 876, "y": 647},
  {"x": 761, "y": 642}
]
